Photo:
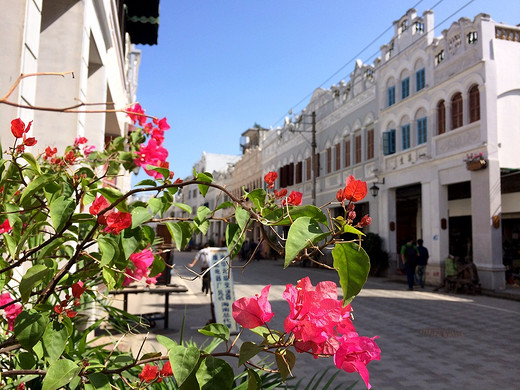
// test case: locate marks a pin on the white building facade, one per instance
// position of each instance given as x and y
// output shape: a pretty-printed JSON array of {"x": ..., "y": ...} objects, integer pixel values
[
  {"x": 91, "y": 38},
  {"x": 408, "y": 123}
]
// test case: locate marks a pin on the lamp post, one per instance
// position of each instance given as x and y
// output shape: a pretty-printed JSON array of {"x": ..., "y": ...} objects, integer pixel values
[{"x": 314, "y": 157}]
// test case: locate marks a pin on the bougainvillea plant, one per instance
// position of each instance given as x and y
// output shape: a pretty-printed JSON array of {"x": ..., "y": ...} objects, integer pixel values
[{"x": 68, "y": 238}]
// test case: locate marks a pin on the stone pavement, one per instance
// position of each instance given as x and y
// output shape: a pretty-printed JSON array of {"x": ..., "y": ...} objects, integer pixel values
[{"x": 429, "y": 340}]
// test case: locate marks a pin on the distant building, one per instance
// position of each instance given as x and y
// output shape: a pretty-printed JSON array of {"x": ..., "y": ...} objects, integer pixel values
[
  {"x": 92, "y": 38},
  {"x": 432, "y": 123},
  {"x": 220, "y": 166}
]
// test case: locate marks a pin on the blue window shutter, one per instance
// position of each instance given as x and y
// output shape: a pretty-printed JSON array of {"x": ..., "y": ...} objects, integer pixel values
[
  {"x": 392, "y": 141},
  {"x": 420, "y": 79},
  {"x": 422, "y": 131},
  {"x": 405, "y": 136},
  {"x": 405, "y": 88},
  {"x": 391, "y": 95}
]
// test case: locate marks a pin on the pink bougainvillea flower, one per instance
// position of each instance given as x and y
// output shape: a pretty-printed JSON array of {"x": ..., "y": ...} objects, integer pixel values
[
  {"x": 5, "y": 227},
  {"x": 18, "y": 127},
  {"x": 137, "y": 109},
  {"x": 253, "y": 312},
  {"x": 166, "y": 369},
  {"x": 355, "y": 352},
  {"x": 270, "y": 178},
  {"x": 162, "y": 123},
  {"x": 100, "y": 203},
  {"x": 354, "y": 191},
  {"x": 142, "y": 261},
  {"x": 78, "y": 289},
  {"x": 31, "y": 141},
  {"x": 151, "y": 154},
  {"x": 70, "y": 157},
  {"x": 49, "y": 152},
  {"x": 79, "y": 141},
  {"x": 365, "y": 221},
  {"x": 281, "y": 193},
  {"x": 149, "y": 373},
  {"x": 88, "y": 149},
  {"x": 117, "y": 221},
  {"x": 294, "y": 199},
  {"x": 11, "y": 311}
]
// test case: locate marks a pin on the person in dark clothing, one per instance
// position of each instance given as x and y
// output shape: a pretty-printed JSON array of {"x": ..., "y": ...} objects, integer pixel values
[
  {"x": 409, "y": 256},
  {"x": 422, "y": 261}
]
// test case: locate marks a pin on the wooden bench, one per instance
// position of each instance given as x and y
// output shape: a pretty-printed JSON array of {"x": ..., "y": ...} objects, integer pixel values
[{"x": 164, "y": 290}]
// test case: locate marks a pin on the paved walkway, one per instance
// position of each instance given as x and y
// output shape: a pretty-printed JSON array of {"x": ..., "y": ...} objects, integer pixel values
[{"x": 429, "y": 340}]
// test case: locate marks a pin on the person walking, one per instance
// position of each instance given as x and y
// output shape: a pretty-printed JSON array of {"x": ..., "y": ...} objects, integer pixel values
[
  {"x": 409, "y": 255},
  {"x": 203, "y": 256},
  {"x": 422, "y": 261}
]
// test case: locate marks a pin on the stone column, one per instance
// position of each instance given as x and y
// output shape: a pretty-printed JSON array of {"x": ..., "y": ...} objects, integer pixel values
[{"x": 486, "y": 208}]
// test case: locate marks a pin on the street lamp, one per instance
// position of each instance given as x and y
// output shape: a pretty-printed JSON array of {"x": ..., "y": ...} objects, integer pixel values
[
  {"x": 374, "y": 189},
  {"x": 314, "y": 158}
]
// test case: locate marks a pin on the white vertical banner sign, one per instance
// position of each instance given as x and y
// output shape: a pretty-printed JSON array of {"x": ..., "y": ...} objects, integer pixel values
[{"x": 222, "y": 288}]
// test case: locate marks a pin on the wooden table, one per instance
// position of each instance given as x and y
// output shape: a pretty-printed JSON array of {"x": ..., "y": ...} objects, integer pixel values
[{"x": 165, "y": 290}]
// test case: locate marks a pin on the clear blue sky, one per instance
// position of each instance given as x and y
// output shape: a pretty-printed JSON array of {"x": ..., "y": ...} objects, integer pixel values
[{"x": 223, "y": 65}]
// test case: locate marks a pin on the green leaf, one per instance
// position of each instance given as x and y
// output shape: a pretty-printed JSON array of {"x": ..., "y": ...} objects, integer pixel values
[
  {"x": 234, "y": 239},
  {"x": 353, "y": 264},
  {"x": 203, "y": 212},
  {"x": 302, "y": 233},
  {"x": 49, "y": 249},
  {"x": 61, "y": 210},
  {"x": 248, "y": 350},
  {"x": 29, "y": 327},
  {"x": 254, "y": 381},
  {"x": 4, "y": 276},
  {"x": 257, "y": 196},
  {"x": 60, "y": 373},
  {"x": 183, "y": 361},
  {"x": 131, "y": 240},
  {"x": 33, "y": 277},
  {"x": 201, "y": 226},
  {"x": 158, "y": 266},
  {"x": 184, "y": 207},
  {"x": 214, "y": 374},
  {"x": 112, "y": 195},
  {"x": 353, "y": 230},
  {"x": 224, "y": 205},
  {"x": 36, "y": 185},
  {"x": 205, "y": 177},
  {"x": 140, "y": 215},
  {"x": 277, "y": 216},
  {"x": 181, "y": 233},
  {"x": 165, "y": 172},
  {"x": 242, "y": 217},
  {"x": 156, "y": 205},
  {"x": 285, "y": 361},
  {"x": 11, "y": 244},
  {"x": 54, "y": 340},
  {"x": 32, "y": 162},
  {"x": 109, "y": 248},
  {"x": 146, "y": 182},
  {"x": 26, "y": 360},
  {"x": 216, "y": 330},
  {"x": 109, "y": 276},
  {"x": 99, "y": 381},
  {"x": 166, "y": 342}
]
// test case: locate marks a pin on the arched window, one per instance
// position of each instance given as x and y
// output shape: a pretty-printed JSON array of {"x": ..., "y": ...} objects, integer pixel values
[
  {"x": 474, "y": 103},
  {"x": 441, "y": 117},
  {"x": 456, "y": 111}
]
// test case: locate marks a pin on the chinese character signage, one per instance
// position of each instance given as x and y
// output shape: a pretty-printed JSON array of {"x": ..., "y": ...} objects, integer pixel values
[{"x": 222, "y": 288}]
